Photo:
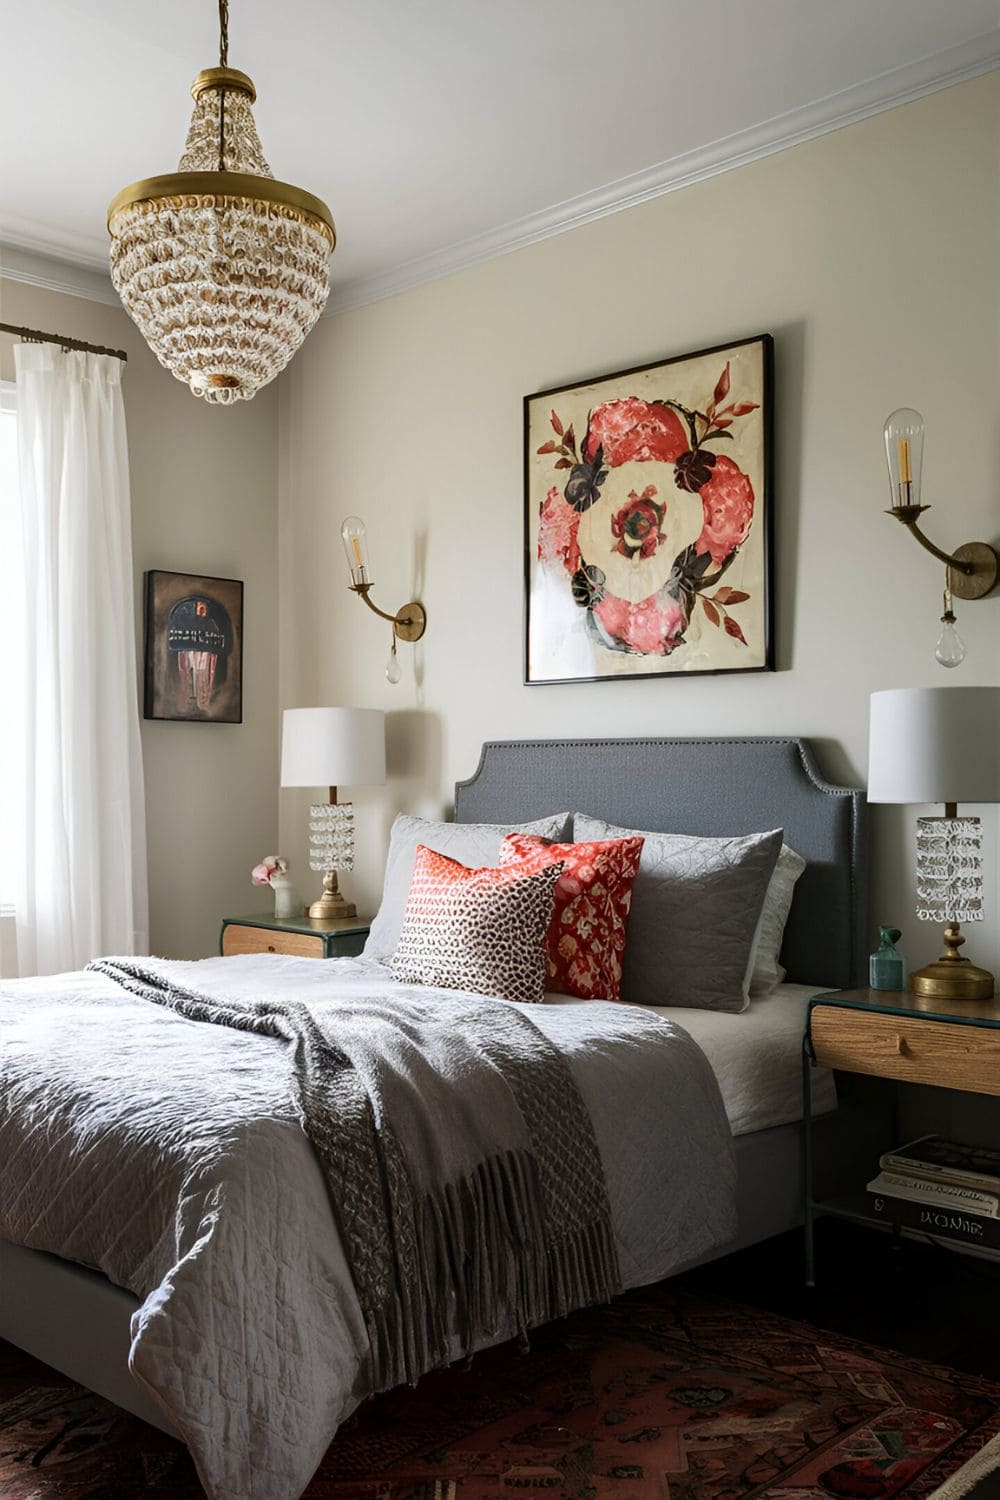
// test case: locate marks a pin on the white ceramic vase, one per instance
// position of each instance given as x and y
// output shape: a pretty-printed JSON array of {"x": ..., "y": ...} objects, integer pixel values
[{"x": 287, "y": 901}]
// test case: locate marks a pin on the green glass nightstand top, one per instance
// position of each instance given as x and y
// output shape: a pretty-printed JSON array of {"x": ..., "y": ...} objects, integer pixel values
[
  {"x": 984, "y": 1013},
  {"x": 300, "y": 924}
]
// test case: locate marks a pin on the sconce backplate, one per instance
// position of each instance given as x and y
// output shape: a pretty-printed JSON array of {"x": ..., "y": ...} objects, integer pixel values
[
  {"x": 977, "y": 584},
  {"x": 411, "y": 622}
]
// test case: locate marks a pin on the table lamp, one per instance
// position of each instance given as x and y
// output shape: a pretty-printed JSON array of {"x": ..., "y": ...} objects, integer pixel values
[
  {"x": 941, "y": 745},
  {"x": 332, "y": 747}
]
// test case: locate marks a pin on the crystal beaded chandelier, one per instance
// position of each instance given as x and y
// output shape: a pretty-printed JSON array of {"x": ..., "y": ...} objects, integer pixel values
[{"x": 223, "y": 268}]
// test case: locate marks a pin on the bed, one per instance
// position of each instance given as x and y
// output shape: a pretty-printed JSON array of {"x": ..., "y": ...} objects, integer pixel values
[{"x": 79, "y": 1321}]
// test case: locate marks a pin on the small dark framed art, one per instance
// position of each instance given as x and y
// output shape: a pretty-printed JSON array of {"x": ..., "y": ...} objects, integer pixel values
[
  {"x": 194, "y": 648},
  {"x": 649, "y": 520}
]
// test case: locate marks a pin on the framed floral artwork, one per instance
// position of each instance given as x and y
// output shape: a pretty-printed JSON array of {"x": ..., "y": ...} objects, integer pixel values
[
  {"x": 194, "y": 648},
  {"x": 648, "y": 520}
]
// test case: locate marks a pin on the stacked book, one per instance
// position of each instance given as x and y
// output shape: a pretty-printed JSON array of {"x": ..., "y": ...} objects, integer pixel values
[{"x": 940, "y": 1188}]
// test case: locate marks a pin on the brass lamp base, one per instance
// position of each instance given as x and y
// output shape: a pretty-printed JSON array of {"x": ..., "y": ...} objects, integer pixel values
[
  {"x": 331, "y": 906},
  {"x": 952, "y": 977}
]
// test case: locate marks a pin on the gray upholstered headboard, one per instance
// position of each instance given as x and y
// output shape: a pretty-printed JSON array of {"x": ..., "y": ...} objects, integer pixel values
[{"x": 711, "y": 786}]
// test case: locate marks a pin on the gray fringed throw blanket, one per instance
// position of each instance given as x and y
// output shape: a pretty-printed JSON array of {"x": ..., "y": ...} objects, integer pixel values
[{"x": 460, "y": 1159}]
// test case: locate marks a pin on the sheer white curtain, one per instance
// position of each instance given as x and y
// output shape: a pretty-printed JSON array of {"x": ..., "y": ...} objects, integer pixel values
[
  {"x": 84, "y": 884},
  {"x": 11, "y": 746}
]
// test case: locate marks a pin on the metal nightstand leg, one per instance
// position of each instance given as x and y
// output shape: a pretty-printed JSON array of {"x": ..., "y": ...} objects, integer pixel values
[{"x": 808, "y": 1222}]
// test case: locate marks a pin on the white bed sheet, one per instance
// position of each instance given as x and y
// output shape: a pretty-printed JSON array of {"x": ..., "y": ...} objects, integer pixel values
[{"x": 756, "y": 1056}]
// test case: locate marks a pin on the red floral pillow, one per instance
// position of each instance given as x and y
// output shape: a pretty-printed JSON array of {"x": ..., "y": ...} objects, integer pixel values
[{"x": 585, "y": 942}]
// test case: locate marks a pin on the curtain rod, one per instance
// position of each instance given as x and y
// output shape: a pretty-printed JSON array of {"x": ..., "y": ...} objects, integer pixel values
[{"x": 34, "y": 336}]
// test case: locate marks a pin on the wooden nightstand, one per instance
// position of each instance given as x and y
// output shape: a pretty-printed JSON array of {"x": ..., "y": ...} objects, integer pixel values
[
  {"x": 295, "y": 935},
  {"x": 895, "y": 1035}
]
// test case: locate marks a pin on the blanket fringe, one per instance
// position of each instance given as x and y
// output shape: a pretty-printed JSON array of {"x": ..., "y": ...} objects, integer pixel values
[{"x": 486, "y": 1272}]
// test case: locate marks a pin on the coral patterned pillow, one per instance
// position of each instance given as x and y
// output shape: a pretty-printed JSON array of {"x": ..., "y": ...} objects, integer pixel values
[
  {"x": 476, "y": 929},
  {"x": 586, "y": 938}
]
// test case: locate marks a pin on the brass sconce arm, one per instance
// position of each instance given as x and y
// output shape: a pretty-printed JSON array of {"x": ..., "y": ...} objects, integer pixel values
[
  {"x": 408, "y": 623},
  {"x": 972, "y": 567},
  {"x": 362, "y": 589}
]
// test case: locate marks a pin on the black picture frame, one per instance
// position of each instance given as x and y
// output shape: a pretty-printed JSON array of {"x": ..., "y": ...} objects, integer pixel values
[
  {"x": 631, "y": 427},
  {"x": 193, "y": 662}
]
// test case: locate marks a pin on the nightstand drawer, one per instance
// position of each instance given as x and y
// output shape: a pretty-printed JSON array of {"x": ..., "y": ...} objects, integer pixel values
[
  {"x": 950, "y": 1055},
  {"x": 239, "y": 939}
]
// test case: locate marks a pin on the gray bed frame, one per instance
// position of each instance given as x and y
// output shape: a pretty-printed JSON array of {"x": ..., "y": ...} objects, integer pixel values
[{"x": 77, "y": 1321}]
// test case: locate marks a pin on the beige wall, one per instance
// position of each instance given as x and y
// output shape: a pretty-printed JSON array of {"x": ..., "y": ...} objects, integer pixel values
[
  {"x": 203, "y": 500},
  {"x": 871, "y": 254}
]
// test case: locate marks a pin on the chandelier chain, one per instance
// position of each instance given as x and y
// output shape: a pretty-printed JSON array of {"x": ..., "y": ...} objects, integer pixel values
[
  {"x": 223, "y": 33},
  {"x": 223, "y": 63}
]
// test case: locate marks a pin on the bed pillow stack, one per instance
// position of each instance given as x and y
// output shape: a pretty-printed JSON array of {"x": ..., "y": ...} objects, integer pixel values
[
  {"x": 695, "y": 909},
  {"x": 704, "y": 917}
]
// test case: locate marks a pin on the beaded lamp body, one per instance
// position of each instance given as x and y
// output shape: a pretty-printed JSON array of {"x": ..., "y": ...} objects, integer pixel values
[{"x": 331, "y": 848}]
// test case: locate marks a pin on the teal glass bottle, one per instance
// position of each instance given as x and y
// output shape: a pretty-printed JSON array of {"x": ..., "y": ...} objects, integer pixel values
[{"x": 887, "y": 966}]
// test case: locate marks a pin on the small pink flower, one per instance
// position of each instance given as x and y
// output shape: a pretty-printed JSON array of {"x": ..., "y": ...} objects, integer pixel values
[{"x": 270, "y": 865}]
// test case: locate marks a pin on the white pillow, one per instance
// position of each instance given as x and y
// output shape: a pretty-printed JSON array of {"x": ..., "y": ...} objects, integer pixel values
[
  {"x": 472, "y": 844},
  {"x": 764, "y": 972}
]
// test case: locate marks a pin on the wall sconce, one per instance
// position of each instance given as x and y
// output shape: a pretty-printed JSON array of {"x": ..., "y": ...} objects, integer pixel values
[
  {"x": 408, "y": 623},
  {"x": 971, "y": 570}
]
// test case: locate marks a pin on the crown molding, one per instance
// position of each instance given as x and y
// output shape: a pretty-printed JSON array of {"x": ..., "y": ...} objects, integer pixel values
[
  {"x": 54, "y": 274},
  {"x": 73, "y": 264},
  {"x": 898, "y": 86}
]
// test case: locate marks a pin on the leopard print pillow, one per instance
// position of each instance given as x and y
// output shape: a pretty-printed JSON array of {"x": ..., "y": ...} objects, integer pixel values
[{"x": 480, "y": 929}]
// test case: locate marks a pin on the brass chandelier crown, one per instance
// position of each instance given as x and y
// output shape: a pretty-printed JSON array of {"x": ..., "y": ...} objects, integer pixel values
[{"x": 224, "y": 268}]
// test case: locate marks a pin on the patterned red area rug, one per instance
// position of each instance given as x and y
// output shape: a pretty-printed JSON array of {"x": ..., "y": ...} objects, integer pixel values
[{"x": 663, "y": 1394}]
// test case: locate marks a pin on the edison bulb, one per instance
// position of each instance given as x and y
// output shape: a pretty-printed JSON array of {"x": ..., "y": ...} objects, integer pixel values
[
  {"x": 950, "y": 649},
  {"x": 904, "y": 451}
]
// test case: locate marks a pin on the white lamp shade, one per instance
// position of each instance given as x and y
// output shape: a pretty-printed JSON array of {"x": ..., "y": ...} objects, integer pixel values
[
  {"x": 333, "y": 747},
  {"x": 934, "y": 745}
]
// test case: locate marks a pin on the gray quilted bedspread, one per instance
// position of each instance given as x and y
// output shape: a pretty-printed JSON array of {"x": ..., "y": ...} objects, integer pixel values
[
  {"x": 459, "y": 1157},
  {"x": 171, "y": 1156}
]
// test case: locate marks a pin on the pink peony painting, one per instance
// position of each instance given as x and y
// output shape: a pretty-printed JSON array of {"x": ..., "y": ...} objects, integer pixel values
[{"x": 649, "y": 520}]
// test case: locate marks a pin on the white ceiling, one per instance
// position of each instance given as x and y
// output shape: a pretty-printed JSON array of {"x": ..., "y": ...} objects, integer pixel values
[{"x": 441, "y": 131}]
